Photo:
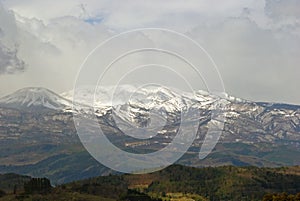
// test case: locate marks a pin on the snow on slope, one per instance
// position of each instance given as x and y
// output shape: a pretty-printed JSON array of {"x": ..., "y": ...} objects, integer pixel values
[
  {"x": 125, "y": 99},
  {"x": 147, "y": 98},
  {"x": 30, "y": 97}
]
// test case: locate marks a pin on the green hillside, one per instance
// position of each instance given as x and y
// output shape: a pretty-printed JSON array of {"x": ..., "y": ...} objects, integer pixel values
[{"x": 173, "y": 183}]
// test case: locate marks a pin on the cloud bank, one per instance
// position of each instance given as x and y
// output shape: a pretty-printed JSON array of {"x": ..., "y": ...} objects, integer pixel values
[{"x": 254, "y": 43}]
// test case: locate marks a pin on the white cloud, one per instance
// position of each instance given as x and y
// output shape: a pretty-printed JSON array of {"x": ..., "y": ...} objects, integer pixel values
[
  {"x": 256, "y": 64},
  {"x": 283, "y": 8},
  {"x": 128, "y": 14},
  {"x": 52, "y": 52},
  {"x": 9, "y": 60},
  {"x": 255, "y": 43}
]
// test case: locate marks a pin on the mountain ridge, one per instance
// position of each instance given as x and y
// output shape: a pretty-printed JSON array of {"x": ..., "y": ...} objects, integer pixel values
[
  {"x": 34, "y": 96},
  {"x": 254, "y": 133}
]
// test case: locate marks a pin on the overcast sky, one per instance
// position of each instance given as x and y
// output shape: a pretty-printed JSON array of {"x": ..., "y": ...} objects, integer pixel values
[{"x": 255, "y": 44}]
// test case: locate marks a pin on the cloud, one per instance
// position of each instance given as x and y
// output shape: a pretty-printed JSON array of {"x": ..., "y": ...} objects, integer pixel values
[
  {"x": 254, "y": 43},
  {"x": 128, "y": 14},
  {"x": 9, "y": 61},
  {"x": 283, "y": 8},
  {"x": 256, "y": 63},
  {"x": 52, "y": 51}
]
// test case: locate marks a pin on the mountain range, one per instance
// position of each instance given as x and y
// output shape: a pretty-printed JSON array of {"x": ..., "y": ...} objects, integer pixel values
[{"x": 38, "y": 136}]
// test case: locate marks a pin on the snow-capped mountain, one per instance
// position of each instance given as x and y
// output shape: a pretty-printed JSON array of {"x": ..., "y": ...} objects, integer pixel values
[
  {"x": 132, "y": 104},
  {"x": 254, "y": 133},
  {"x": 245, "y": 120},
  {"x": 35, "y": 97},
  {"x": 250, "y": 121},
  {"x": 132, "y": 107},
  {"x": 147, "y": 97}
]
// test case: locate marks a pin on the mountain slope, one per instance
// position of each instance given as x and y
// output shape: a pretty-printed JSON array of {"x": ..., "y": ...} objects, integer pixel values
[
  {"x": 37, "y": 127},
  {"x": 35, "y": 97}
]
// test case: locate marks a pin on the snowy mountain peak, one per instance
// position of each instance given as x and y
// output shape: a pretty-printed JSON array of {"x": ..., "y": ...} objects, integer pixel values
[
  {"x": 34, "y": 97},
  {"x": 128, "y": 94}
]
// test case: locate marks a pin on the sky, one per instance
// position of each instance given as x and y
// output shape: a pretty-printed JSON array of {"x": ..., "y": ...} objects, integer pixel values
[{"x": 254, "y": 43}]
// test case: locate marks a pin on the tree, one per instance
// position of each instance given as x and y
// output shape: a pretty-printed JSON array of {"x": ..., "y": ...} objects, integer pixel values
[
  {"x": 2, "y": 193},
  {"x": 37, "y": 185}
]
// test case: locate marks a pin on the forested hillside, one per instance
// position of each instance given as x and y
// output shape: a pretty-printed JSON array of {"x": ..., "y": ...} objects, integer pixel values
[{"x": 173, "y": 183}]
